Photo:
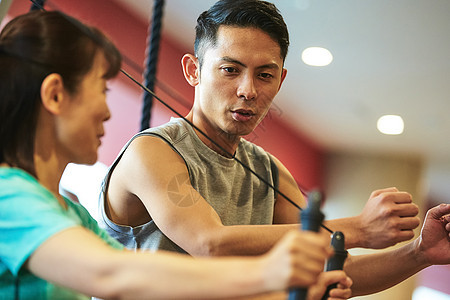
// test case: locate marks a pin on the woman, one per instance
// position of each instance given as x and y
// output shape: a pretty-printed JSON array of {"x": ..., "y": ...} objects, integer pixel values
[{"x": 53, "y": 79}]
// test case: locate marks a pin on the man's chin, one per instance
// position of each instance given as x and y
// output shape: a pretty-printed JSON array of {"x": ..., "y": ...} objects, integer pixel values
[
  {"x": 237, "y": 130},
  {"x": 240, "y": 133},
  {"x": 247, "y": 131}
]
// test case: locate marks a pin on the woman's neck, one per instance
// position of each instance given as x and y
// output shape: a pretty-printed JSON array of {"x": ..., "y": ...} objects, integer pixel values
[
  {"x": 49, "y": 172},
  {"x": 49, "y": 165}
]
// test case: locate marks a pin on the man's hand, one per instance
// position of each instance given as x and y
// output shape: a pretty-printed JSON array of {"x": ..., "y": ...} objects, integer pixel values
[
  {"x": 343, "y": 291},
  {"x": 388, "y": 218},
  {"x": 296, "y": 260},
  {"x": 434, "y": 240}
]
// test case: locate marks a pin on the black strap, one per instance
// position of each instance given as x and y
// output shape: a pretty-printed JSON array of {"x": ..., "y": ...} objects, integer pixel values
[{"x": 275, "y": 175}]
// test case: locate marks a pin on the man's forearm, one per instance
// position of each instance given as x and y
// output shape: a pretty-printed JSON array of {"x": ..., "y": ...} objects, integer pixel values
[
  {"x": 245, "y": 239},
  {"x": 354, "y": 237}
]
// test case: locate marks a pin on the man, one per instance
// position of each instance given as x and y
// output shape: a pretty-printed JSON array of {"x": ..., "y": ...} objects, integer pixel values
[{"x": 173, "y": 188}]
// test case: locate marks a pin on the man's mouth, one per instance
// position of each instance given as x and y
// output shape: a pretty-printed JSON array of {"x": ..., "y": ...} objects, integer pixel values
[{"x": 242, "y": 115}]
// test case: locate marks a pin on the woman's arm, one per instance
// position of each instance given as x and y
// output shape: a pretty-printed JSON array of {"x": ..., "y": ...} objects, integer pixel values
[{"x": 75, "y": 258}]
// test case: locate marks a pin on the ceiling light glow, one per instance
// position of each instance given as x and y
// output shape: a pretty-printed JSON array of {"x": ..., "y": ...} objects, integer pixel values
[
  {"x": 390, "y": 124},
  {"x": 317, "y": 56}
]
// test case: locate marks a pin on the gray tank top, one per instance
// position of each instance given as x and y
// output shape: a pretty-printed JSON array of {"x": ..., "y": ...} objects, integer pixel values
[{"x": 238, "y": 197}]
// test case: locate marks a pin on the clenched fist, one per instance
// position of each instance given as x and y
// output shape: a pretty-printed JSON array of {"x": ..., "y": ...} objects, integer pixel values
[{"x": 388, "y": 218}]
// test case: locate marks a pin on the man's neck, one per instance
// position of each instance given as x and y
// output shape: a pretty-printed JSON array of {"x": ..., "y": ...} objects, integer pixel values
[{"x": 224, "y": 143}]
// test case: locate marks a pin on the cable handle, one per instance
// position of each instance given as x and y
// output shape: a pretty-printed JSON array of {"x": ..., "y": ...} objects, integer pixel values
[
  {"x": 336, "y": 262},
  {"x": 311, "y": 218}
]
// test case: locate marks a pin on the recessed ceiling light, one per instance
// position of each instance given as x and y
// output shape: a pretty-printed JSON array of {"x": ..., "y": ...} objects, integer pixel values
[
  {"x": 317, "y": 56},
  {"x": 390, "y": 124}
]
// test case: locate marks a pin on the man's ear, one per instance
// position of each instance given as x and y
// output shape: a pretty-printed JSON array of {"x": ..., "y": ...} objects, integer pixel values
[
  {"x": 52, "y": 93},
  {"x": 191, "y": 69},
  {"x": 283, "y": 76}
]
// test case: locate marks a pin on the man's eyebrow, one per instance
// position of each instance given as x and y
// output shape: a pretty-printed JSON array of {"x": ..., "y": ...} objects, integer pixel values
[
  {"x": 232, "y": 60},
  {"x": 266, "y": 66}
]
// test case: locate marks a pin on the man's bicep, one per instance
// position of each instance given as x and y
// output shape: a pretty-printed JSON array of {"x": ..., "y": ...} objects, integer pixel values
[
  {"x": 161, "y": 181},
  {"x": 284, "y": 211}
]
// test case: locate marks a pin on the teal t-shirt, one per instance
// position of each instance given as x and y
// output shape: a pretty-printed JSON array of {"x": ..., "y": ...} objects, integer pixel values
[{"x": 29, "y": 215}]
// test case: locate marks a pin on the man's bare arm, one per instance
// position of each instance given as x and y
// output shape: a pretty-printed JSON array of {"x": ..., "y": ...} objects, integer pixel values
[
  {"x": 146, "y": 170},
  {"x": 388, "y": 217}
]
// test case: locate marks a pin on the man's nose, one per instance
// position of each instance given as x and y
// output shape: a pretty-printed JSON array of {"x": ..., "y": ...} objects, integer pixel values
[{"x": 247, "y": 88}]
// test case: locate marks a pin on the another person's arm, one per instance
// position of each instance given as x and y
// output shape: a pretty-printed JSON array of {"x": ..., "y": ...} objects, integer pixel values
[{"x": 375, "y": 272}]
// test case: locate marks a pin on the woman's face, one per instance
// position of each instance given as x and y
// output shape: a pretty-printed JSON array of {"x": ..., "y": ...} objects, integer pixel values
[{"x": 80, "y": 126}]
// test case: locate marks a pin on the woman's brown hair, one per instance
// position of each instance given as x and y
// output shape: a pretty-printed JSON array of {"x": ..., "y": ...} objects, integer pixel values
[{"x": 32, "y": 46}]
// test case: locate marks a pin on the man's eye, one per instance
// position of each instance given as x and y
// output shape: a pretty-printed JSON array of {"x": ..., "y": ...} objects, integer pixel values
[
  {"x": 229, "y": 69},
  {"x": 266, "y": 75}
]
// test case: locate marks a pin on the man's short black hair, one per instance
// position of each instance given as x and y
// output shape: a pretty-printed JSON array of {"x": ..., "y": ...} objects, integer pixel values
[{"x": 240, "y": 13}]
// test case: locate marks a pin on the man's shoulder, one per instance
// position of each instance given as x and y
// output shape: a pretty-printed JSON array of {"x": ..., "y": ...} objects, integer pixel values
[
  {"x": 170, "y": 130},
  {"x": 249, "y": 146}
]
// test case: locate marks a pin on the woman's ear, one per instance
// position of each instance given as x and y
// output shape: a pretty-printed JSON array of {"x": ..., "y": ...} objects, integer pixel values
[
  {"x": 52, "y": 93},
  {"x": 191, "y": 69}
]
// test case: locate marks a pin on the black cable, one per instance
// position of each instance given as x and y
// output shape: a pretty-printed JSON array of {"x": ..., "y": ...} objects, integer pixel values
[
  {"x": 152, "y": 62},
  {"x": 37, "y": 5}
]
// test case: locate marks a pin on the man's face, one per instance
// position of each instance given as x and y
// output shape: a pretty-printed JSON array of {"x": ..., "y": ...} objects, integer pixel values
[{"x": 238, "y": 80}]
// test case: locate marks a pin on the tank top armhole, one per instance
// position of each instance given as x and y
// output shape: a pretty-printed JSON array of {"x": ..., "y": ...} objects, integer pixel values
[{"x": 275, "y": 175}]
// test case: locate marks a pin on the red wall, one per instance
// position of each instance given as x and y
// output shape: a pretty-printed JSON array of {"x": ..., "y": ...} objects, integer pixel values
[{"x": 301, "y": 156}]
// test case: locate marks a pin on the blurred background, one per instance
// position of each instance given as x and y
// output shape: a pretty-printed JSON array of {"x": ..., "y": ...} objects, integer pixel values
[{"x": 388, "y": 58}]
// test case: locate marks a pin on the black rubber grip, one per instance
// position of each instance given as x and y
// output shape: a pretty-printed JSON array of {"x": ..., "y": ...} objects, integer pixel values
[
  {"x": 336, "y": 262},
  {"x": 311, "y": 218}
]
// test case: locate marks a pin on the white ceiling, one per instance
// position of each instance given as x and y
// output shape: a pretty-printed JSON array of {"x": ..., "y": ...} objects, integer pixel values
[{"x": 390, "y": 57}]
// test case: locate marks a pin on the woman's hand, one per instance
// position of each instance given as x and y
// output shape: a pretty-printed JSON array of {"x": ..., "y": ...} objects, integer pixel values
[{"x": 343, "y": 291}]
